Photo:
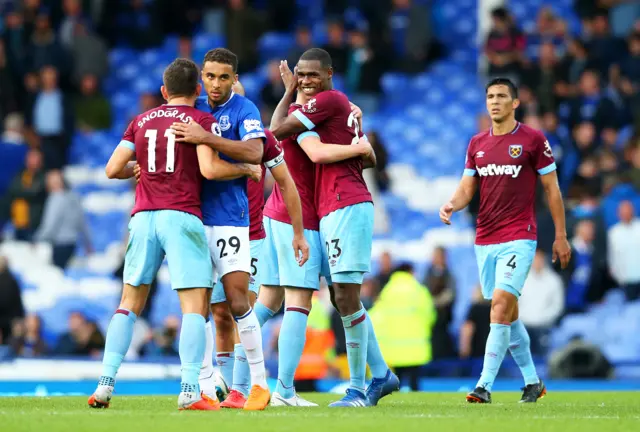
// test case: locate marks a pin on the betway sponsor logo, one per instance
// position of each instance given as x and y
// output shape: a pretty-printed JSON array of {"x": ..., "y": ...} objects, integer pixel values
[{"x": 496, "y": 170}]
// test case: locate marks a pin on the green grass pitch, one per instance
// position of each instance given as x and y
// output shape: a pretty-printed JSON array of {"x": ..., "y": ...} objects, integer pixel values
[{"x": 438, "y": 412}]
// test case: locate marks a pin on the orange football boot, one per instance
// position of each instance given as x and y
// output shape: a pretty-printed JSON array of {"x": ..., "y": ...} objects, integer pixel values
[
  {"x": 235, "y": 400},
  {"x": 258, "y": 399}
]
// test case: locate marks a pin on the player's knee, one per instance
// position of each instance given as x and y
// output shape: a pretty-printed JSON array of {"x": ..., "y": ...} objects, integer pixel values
[
  {"x": 347, "y": 299},
  {"x": 238, "y": 303},
  {"x": 223, "y": 319},
  {"x": 299, "y": 297},
  {"x": 133, "y": 299},
  {"x": 500, "y": 312}
]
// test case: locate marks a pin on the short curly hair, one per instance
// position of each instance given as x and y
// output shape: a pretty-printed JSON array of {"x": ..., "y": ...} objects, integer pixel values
[{"x": 222, "y": 55}]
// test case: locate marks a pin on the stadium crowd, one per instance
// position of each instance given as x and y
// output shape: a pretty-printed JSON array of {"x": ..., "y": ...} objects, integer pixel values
[{"x": 580, "y": 88}]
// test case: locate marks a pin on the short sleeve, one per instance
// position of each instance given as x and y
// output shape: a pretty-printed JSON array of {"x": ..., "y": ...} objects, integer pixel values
[
  {"x": 543, "y": 155},
  {"x": 469, "y": 161},
  {"x": 273, "y": 154},
  {"x": 317, "y": 110},
  {"x": 210, "y": 124},
  {"x": 128, "y": 138},
  {"x": 250, "y": 125}
]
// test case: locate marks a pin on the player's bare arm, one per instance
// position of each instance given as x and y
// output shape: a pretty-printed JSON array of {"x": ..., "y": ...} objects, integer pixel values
[
  {"x": 118, "y": 166},
  {"x": 322, "y": 153},
  {"x": 561, "y": 247},
  {"x": 290, "y": 85},
  {"x": 460, "y": 199},
  {"x": 370, "y": 160},
  {"x": 212, "y": 167},
  {"x": 292, "y": 201},
  {"x": 249, "y": 151}
]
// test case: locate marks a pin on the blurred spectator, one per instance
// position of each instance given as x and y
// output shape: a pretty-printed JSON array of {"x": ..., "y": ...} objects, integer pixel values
[
  {"x": 15, "y": 42},
  {"x": 244, "y": 26},
  {"x": 13, "y": 129},
  {"x": 624, "y": 239},
  {"x": 505, "y": 46},
  {"x": 632, "y": 155},
  {"x": 551, "y": 132},
  {"x": 303, "y": 42},
  {"x": 51, "y": 118},
  {"x": 82, "y": 339},
  {"x": 475, "y": 329},
  {"x": 442, "y": 286},
  {"x": 26, "y": 197},
  {"x": 165, "y": 338},
  {"x": 542, "y": 77},
  {"x": 45, "y": 49},
  {"x": 72, "y": 17},
  {"x": 138, "y": 24},
  {"x": 579, "y": 284},
  {"x": 149, "y": 100},
  {"x": 281, "y": 14},
  {"x": 411, "y": 35},
  {"x": 403, "y": 318},
  {"x": 10, "y": 301},
  {"x": 381, "y": 176},
  {"x": 624, "y": 14},
  {"x": 605, "y": 48},
  {"x": 90, "y": 53},
  {"x": 8, "y": 101},
  {"x": 626, "y": 76},
  {"x": 589, "y": 105},
  {"x": 549, "y": 30},
  {"x": 180, "y": 17},
  {"x": 542, "y": 302},
  {"x": 27, "y": 340},
  {"x": 574, "y": 63},
  {"x": 63, "y": 222},
  {"x": 364, "y": 70},
  {"x": 368, "y": 293},
  {"x": 585, "y": 135},
  {"x": 336, "y": 46},
  {"x": 273, "y": 90},
  {"x": 93, "y": 110},
  {"x": 384, "y": 270}
]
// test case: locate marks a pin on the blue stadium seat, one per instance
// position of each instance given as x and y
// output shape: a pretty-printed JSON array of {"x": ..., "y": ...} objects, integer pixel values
[{"x": 273, "y": 45}]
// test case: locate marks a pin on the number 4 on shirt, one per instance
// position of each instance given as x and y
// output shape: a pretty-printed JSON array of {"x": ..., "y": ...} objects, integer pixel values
[{"x": 512, "y": 263}]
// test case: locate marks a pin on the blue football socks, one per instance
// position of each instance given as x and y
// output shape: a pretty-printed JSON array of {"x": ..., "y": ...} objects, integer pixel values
[
  {"x": 290, "y": 346},
  {"x": 225, "y": 362},
  {"x": 356, "y": 335},
  {"x": 241, "y": 373},
  {"x": 117, "y": 344},
  {"x": 191, "y": 349},
  {"x": 263, "y": 313},
  {"x": 496, "y": 348},
  {"x": 375, "y": 360},
  {"x": 520, "y": 348}
]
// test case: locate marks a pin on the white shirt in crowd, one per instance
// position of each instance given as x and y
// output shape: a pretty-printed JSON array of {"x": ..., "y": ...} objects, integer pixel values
[
  {"x": 623, "y": 246},
  {"x": 542, "y": 299}
]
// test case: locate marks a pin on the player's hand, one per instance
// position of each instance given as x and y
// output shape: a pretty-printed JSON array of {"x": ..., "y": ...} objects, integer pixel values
[
  {"x": 255, "y": 172},
  {"x": 364, "y": 147},
  {"x": 191, "y": 132},
  {"x": 289, "y": 79},
  {"x": 301, "y": 249},
  {"x": 357, "y": 112},
  {"x": 562, "y": 250},
  {"x": 137, "y": 172},
  {"x": 445, "y": 213}
]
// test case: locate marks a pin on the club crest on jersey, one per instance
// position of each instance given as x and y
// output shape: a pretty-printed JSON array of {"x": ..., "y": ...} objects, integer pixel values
[
  {"x": 310, "y": 107},
  {"x": 224, "y": 123},
  {"x": 515, "y": 150}
]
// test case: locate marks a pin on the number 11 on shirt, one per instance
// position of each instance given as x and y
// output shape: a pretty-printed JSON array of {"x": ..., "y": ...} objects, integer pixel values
[{"x": 152, "y": 136}]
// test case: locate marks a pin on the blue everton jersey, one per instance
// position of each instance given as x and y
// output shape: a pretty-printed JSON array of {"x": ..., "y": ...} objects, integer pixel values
[{"x": 225, "y": 203}]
